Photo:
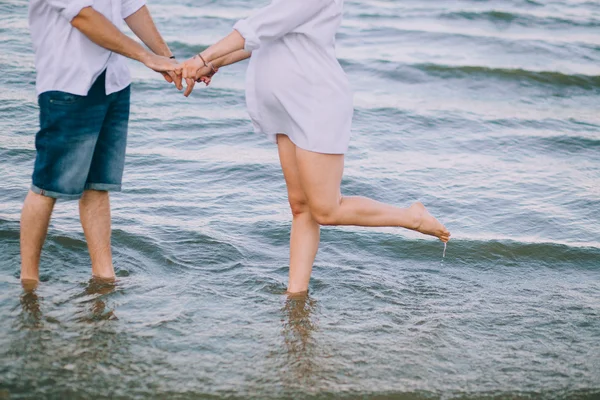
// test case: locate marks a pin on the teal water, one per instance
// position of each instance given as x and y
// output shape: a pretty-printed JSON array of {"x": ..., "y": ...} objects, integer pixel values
[{"x": 486, "y": 111}]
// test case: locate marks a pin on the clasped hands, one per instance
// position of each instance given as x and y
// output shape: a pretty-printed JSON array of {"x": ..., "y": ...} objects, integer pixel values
[{"x": 192, "y": 71}]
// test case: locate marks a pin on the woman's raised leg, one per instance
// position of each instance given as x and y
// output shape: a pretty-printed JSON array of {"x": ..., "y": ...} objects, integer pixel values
[
  {"x": 320, "y": 178},
  {"x": 305, "y": 236}
]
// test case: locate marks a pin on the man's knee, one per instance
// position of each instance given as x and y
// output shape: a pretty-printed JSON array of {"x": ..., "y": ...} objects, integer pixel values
[
  {"x": 93, "y": 194},
  {"x": 34, "y": 199}
]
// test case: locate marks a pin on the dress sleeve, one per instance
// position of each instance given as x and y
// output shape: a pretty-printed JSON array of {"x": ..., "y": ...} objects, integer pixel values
[
  {"x": 276, "y": 20},
  {"x": 69, "y": 8},
  {"x": 128, "y": 7}
]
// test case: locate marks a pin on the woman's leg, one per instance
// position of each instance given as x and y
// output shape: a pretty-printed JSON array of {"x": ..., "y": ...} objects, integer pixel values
[
  {"x": 304, "y": 239},
  {"x": 320, "y": 178}
]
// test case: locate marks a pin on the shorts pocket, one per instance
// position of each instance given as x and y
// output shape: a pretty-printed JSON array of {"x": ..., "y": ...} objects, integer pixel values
[{"x": 62, "y": 98}]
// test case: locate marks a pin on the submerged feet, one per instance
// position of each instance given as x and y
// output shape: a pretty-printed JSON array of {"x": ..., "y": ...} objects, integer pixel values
[{"x": 427, "y": 224}]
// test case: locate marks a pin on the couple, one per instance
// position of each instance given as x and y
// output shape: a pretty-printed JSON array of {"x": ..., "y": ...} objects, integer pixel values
[{"x": 297, "y": 94}]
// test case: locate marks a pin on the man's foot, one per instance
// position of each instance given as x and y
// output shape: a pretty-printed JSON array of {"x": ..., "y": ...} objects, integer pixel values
[
  {"x": 29, "y": 285},
  {"x": 427, "y": 224},
  {"x": 106, "y": 276}
]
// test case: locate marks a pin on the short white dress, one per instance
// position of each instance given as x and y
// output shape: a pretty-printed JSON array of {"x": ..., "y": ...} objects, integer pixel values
[{"x": 295, "y": 84}]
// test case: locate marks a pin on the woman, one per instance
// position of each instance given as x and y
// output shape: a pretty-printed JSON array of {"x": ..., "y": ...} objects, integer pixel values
[{"x": 299, "y": 96}]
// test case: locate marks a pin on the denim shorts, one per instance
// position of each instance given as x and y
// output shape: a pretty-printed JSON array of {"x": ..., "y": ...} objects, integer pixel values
[{"x": 81, "y": 142}]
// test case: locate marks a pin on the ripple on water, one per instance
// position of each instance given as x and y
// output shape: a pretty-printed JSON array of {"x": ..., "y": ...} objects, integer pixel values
[{"x": 485, "y": 111}]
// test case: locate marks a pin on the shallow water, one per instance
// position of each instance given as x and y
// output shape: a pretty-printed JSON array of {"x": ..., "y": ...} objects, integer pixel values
[{"x": 485, "y": 111}]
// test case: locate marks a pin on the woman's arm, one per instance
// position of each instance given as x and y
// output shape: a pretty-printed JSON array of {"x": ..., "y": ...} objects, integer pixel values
[
  {"x": 194, "y": 69},
  {"x": 232, "y": 58},
  {"x": 198, "y": 66},
  {"x": 276, "y": 20},
  {"x": 205, "y": 74},
  {"x": 268, "y": 24}
]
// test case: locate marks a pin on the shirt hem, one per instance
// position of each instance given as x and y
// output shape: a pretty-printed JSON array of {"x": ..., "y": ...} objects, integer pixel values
[{"x": 79, "y": 92}]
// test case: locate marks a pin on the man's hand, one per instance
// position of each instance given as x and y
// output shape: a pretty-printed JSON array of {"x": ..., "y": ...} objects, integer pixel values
[
  {"x": 173, "y": 77},
  {"x": 159, "y": 63}
]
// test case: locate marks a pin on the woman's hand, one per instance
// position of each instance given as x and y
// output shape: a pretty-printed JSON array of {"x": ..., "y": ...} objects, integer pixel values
[
  {"x": 188, "y": 70},
  {"x": 194, "y": 70},
  {"x": 205, "y": 74}
]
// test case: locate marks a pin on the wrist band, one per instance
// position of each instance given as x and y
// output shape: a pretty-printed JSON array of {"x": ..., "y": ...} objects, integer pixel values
[
  {"x": 214, "y": 70},
  {"x": 172, "y": 57}
]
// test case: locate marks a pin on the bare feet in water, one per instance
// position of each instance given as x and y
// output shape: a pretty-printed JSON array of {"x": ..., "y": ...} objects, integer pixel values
[{"x": 427, "y": 224}]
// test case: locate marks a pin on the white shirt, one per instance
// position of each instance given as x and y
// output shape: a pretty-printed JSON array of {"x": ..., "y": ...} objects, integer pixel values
[
  {"x": 65, "y": 59},
  {"x": 295, "y": 84}
]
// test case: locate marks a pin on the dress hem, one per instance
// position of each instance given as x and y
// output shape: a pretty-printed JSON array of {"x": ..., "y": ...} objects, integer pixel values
[{"x": 273, "y": 138}]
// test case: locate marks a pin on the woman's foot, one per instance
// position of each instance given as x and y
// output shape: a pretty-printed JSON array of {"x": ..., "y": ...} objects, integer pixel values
[{"x": 427, "y": 224}]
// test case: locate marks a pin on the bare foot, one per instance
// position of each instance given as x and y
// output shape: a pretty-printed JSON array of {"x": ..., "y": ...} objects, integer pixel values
[
  {"x": 29, "y": 285},
  {"x": 427, "y": 224}
]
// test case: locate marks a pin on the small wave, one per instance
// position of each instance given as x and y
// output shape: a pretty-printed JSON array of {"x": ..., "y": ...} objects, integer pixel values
[
  {"x": 477, "y": 250},
  {"x": 587, "y": 82},
  {"x": 181, "y": 48},
  {"x": 527, "y": 20},
  {"x": 416, "y": 73},
  {"x": 546, "y": 254},
  {"x": 572, "y": 144}
]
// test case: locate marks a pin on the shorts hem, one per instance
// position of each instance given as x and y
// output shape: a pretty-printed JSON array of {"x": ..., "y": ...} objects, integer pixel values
[
  {"x": 55, "y": 195},
  {"x": 103, "y": 187}
]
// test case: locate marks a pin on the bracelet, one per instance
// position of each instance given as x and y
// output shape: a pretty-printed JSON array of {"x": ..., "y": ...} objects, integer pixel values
[
  {"x": 214, "y": 70},
  {"x": 172, "y": 57}
]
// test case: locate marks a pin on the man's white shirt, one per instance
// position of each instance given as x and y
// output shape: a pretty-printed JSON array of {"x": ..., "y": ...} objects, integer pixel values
[{"x": 65, "y": 59}]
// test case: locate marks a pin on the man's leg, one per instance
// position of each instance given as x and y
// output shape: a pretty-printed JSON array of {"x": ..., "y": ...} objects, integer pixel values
[
  {"x": 94, "y": 211},
  {"x": 65, "y": 144},
  {"x": 35, "y": 219},
  {"x": 105, "y": 175}
]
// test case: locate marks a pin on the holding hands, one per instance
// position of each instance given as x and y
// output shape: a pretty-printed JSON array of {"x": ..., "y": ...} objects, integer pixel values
[
  {"x": 165, "y": 66},
  {"x": 193, "y": 70},
  {"x": 203, "y": 66},
  {"x": 196, "y": 69}
]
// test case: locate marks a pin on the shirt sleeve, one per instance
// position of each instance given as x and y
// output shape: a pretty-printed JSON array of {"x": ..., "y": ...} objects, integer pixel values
[
  {"x": 128, "y": 7},
  {"x": 276, "y": 20},
  {"x": 69, "y": 8}
]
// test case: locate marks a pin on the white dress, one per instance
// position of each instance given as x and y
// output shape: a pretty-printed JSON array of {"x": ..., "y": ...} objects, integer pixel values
[{"x": 295, "y": 84}]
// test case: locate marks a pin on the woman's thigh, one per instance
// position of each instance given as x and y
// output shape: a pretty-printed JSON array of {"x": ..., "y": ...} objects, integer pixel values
[
  {"x": 320, "y": 178},
  {"x": 291, "y": 174}
]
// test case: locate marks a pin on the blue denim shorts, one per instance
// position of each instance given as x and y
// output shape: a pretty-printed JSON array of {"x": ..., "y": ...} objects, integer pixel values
[{"x": 81, "y": 143}]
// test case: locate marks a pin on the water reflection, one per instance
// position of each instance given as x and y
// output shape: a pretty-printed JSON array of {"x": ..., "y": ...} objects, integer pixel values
[
  {"x": 31, "y": 312},
  {"x": 68, "y": 335},
  {"x": 299, "y": 324},
  {"x": 91, "y": 303},
  {"x": 94, "y": 307}
]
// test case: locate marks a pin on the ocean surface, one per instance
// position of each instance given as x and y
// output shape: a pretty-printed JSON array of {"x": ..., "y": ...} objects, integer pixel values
[{"x": 486, "y": 111}]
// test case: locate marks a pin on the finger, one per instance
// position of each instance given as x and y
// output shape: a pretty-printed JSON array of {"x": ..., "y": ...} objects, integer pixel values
[
  {"x": 174, "y": 78},
  {"x": 167, "y": 77},
  {"x": 190, "y": 86},
  {"x": 177, "y": 80}
]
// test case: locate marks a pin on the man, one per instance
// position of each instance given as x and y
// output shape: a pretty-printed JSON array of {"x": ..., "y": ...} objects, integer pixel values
[{"x": 83, "y": 93}]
